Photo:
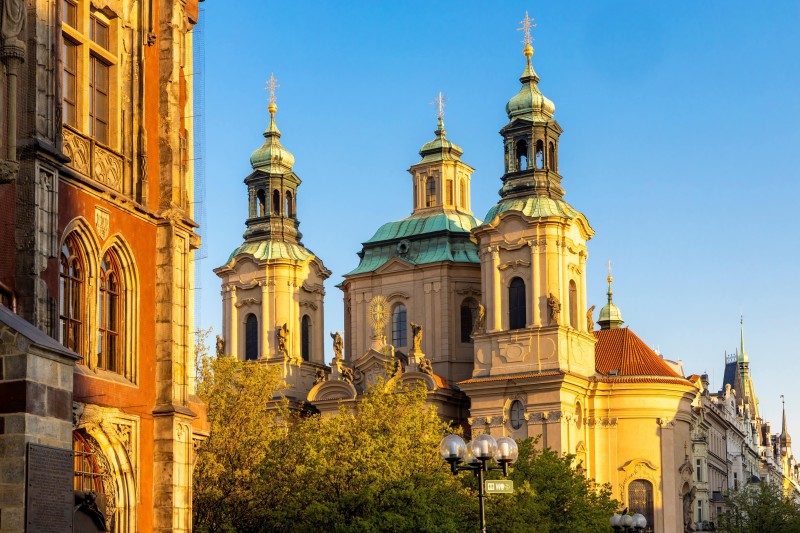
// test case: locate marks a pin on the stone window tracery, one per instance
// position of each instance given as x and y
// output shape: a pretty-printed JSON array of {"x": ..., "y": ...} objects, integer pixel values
[
  {"x": 72, "y": 278},
  {"x": 109, "y": 308}
]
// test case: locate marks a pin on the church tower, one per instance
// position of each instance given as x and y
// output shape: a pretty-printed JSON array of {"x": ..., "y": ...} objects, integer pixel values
[
  {"x": 424, "y": 269},
  {"x": 533, "y": 251},
  {"x": 272, "y": 285}
]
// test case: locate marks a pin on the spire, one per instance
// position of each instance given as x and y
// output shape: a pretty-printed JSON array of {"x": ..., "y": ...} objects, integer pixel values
[
  {"x": 742, "y": 359},
  {"x": 610, "y": 316},
  {"x": 786, "y": 440},
  {"x": 440, "y": 149},
  {"x": 272, "y": 157},
  {"x": 529, "y": 103}
]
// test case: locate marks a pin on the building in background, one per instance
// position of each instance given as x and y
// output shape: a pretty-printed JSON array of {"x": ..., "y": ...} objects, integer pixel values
[
  {"x": 492, "y": 317},
  {"x": 97, "y": 235}
]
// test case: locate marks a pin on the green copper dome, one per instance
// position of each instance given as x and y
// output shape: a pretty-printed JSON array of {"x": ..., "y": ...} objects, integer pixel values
[
  {"x": 272, "y": 157},
  {"x": 440, "y": 149},
  {"x": 529, "y": 103},
  {"x": 532, "y": 206}
]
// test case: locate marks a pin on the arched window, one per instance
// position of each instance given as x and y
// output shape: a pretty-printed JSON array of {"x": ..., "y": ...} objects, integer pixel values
[
  {"x": 516, "y": 304},
  {"x": 539, "y": 154},
  {"x": 399, "y": 326},
  {"x": 88, "y": 473},
  {"x": 251, "y": 338},
  {"x": 72, "y": 276},
  {"x": 289, "y": 205},
  {"x": 430, "y": 192},
  {"x": 516, "y": 414},
  {"x": 573, "y": 304},
  {"x": 276, "y": 203},
  {"x": 305, "y": 338},
  {"x": 522, "y": 155},
  {"x": 110, "y": 314},
  {"x": 462, "y": 194},
  {"x": 449, "y": 192},
  {"x": 262, "y": 203},
  {"x": 551, "y": 158},
  {"x": 469, "y": 311},
  {"x": 640, "y": 499}
]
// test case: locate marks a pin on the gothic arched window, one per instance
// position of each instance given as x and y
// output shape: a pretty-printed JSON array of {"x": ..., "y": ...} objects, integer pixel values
[
  {"x": 88, "y": 473},
  {"x": 430, "y": 192},
  {"x": 399, "y": 326},
  {"x": 539, "y": 154},
  {"x": 573, "y": 304},
  {"x": 522, "y": 155},
  {"x": 516, "y": 304},
  {"x": 276, "y": 203},
  {"x": 110, "y": 314},
  {"x": 305, "y": 338},
  {"x": 72, "y": 277},
  {"x": 640, "y": 499},
  {"x": 469, "y": 311},
  {"x": 251, "y": 338},
  {"x": 262, "y": 203}
]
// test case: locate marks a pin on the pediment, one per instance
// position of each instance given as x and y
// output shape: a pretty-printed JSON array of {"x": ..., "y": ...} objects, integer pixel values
[
  {"x": 413, "y": 377},
  {"x": 395, "y": 264},
  {"x": 372, "y": 359},
  {"x": 332, "y": 390}
]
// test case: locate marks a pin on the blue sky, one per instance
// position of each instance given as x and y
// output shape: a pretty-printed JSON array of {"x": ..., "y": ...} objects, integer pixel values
[{"x": 681, "y": 133}]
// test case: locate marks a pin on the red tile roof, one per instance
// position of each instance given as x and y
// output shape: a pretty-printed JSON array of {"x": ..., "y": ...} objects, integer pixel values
[{"x": 622, "y": 351}]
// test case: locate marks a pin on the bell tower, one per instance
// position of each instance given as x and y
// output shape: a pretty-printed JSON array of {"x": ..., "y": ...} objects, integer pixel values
[
  {"x": 532, "y": 245},
  {"x": 272, "y": 285}
]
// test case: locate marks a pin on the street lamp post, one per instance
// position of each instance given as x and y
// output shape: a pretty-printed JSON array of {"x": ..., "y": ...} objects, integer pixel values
[
  {"x": 476, "y": 455},
  {"x": 627, "y": 523}
]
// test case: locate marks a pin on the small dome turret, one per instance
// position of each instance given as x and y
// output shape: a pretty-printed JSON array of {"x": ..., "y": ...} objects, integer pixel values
[
  {"x": 529, "y": 103},
  {"x": 610, "y": 315},
  {"x": 272, "y": 157}
]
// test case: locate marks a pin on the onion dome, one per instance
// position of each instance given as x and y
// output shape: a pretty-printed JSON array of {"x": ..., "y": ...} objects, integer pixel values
[
  {"x": 272, "y": 157},
  {"x": 529, "y": 103},
  {"x": 440, "y": 149},
  {"x": 610, "y": 316}
]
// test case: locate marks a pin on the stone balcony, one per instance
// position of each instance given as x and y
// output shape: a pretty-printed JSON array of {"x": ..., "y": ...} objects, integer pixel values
[{"x": 92, "y": 159}]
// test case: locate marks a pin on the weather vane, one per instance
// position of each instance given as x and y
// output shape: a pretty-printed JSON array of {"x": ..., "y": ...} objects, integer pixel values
[
  {"x": 272, "y": 84},
  {"x": 439, "y": 101},
  {"x": 527, "y": 24}
]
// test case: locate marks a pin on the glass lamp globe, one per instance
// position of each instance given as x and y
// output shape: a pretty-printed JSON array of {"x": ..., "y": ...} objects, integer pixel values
[
  {"x": 507, "y": 450},
  {"x": 639, "y": 521},
  {"x": 452, "y": 448},
  {"x": 627, "y": 521},
  {"x": 483, "y": 447},
  {"x": 615, "y": 520}
]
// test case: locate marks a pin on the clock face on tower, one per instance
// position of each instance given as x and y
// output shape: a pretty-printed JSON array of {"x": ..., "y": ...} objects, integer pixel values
[{"x": 377, "y": 312}]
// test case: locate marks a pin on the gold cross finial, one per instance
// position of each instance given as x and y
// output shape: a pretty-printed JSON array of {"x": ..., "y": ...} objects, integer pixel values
[
  {"x": 527, "y": 24},
  {"x": 439, "y": 101},
  {"x": 609, "y": 271},
  {"x": 271, "y": 85}
]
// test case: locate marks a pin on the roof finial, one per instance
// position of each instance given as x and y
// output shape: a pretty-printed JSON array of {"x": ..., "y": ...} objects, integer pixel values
[
  {"x": 609, "y": 279},
  {"x": 271, "y": 85},
  {"x": 527, "y": 24},
  {"x": 439, "y": 102}
]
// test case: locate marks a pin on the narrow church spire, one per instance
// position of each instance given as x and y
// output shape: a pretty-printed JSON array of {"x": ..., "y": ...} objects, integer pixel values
[
  {"x": 786, "y": 440},
  {"x": 743, "y": 359}
]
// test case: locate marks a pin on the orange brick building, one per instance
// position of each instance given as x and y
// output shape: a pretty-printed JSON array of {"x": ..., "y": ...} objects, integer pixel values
[{"x": 96, "y": 241}]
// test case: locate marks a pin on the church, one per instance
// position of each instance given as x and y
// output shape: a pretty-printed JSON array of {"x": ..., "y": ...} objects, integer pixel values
[{"x": 490, "y": 314}]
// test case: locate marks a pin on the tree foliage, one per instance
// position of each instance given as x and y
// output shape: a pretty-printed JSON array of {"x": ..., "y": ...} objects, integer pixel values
[
  {"x": 760, "y": 507},
  {"x": 371, "y": 467}
]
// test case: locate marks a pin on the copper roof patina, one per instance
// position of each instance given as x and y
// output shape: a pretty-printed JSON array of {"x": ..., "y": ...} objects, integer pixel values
[
  {"x": 430, "y": 238},
  {"x": 532, "y": 206},
  {"x": 269, "y": 249}
]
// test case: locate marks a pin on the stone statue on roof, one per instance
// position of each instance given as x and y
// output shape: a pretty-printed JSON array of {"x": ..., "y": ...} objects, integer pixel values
[
  {"x": 589, "y": 319},
  {"x": 338, "y": 345},
  {"x": 555, "y": 308},
  {"x": 283, "y": 338},
  {"x": 416, "y": 330}
]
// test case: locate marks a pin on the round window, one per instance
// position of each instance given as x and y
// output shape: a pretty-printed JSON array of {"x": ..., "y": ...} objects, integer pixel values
[{"x": 516, "y": 414}]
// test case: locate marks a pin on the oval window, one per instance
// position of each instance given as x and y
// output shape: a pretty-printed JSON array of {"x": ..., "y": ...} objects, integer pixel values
[{"x": 516, "y": 414}]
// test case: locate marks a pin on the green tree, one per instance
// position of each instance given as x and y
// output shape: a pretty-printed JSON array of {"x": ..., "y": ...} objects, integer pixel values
[
  {"x": 242, "y": 428},
  {"x": 759, "y": 507},
  {"x": 550, "y": 494}
]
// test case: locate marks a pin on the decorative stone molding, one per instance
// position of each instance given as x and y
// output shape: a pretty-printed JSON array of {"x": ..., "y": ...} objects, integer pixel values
[
  {"x": 107, "y": 168},
  {"x": 312, "y": 305},
  {"x": 248, "y": 301},
  {"x": 313, "y": 288},
  {"x": 601, "y": 422},
  {"x": 638, "y": 469},
  {"x": 8, "y": 171},
  {"x": 101, "y": 221},
  {"x": 76, "y": 147},
  {"x": 513, "y": 265}
]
